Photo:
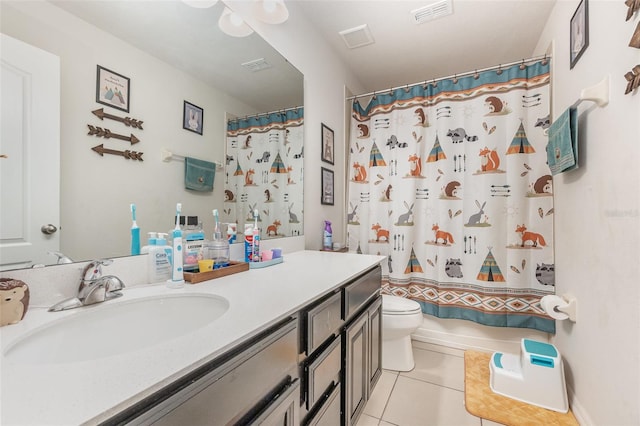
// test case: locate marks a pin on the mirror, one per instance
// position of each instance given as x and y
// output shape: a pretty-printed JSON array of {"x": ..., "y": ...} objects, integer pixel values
[{"x": 171, "y": 54}]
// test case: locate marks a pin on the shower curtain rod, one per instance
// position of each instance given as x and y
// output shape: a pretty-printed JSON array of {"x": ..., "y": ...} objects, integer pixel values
[
  {"x": 264, "y": 113},
  {"x": 522, "y": 61}
]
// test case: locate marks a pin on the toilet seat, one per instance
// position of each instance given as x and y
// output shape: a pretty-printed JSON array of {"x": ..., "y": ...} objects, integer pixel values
[{"x": 394, "y": 305}]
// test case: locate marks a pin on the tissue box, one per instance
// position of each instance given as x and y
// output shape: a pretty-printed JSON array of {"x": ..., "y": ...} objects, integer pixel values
[{"x": 14, "y": 301}]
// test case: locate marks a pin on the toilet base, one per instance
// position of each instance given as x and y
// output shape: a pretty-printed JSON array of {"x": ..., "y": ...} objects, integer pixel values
[{"x": 397, "y": 354}]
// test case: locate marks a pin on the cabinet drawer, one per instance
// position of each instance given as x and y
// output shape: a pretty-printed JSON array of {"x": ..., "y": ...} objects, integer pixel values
[
  {"x": 322, "y": 321},
  {"x": 329, "y": 411},
  {"x": 360, "y": 291},
  {"x": 230, "y": 390},
  {"x": 323, "y": 372}
]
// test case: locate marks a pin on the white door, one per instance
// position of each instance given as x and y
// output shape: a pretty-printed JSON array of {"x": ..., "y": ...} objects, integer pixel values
[{"x": 29, "y": 154}]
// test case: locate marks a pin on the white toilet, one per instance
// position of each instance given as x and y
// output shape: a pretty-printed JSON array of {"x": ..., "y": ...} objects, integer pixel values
[{"x": 400, "y": 318}]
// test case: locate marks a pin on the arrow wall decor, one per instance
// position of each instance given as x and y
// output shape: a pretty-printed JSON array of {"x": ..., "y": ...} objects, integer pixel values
[
  {"x": 107, "y": 134},
  {"x": 128, "y": 121},
  {"x": 129, "y": 155}
]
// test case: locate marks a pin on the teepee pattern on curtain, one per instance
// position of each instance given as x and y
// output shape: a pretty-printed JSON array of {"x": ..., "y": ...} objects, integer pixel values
[
  {"x": 264, "y": 161},
  {"x": 450, "y": 181}
]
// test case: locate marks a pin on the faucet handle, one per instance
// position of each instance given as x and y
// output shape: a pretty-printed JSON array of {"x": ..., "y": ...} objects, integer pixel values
[
  {"x": 113, "y": 283},
  {"x": 93, "y": 270}
]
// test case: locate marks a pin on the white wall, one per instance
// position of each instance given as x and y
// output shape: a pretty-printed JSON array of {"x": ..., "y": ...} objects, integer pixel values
[
  {"x": 157, "y": 94},
  {"x": 597, "y": 217}
]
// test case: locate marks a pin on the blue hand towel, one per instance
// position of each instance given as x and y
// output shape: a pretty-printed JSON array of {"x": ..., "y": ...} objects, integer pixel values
[
  {"x": 562, "y": 149},
  {"x": 199, "y": 174}
]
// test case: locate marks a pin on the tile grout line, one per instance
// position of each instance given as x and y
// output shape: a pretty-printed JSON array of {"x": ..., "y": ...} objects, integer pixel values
[{"x": 431, "y": 383}]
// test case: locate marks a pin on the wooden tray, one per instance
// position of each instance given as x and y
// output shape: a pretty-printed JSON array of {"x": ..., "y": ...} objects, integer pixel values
[{"x": 233, "y": 268}]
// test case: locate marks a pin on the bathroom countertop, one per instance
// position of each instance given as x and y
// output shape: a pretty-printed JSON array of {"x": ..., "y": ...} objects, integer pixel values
[{"x": 93, "y": 391}]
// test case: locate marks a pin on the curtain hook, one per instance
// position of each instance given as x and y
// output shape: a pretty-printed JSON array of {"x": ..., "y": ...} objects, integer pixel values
[
  {"x": 434, "y": 83},
  {"x": 545, "y": 61},
  {"x": 406, "y": 89},
  {"x": 374, "y": 97},
  {"x": 455, "y": 79},
  {"x": 476, "y": 75},
  {"x": 499, "y": 72},
  {"x": 522, "y": 66}
]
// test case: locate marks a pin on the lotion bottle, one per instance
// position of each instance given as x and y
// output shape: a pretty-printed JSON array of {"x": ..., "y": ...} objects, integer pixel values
[{"x": 159, "y": 262}]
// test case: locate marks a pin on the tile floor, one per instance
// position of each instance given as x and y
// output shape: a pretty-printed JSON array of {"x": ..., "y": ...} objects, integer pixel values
[{"x": 432, "y": 394}]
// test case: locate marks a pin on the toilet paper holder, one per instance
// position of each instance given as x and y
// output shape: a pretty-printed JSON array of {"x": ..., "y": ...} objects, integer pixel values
[{"x": 567, "y": 304}]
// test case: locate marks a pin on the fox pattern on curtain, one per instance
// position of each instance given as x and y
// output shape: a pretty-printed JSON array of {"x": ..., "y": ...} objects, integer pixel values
[
  {"x": 449, "y": 180},
  {"x": 264, "y": 161}
]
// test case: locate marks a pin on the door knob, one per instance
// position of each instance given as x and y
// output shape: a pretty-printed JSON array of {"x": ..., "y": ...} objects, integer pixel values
[{"x": 48, "y": 229}]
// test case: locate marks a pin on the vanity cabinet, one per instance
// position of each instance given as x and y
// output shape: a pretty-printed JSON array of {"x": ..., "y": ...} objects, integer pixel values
[
  {"x": 254, "y": 384},
  {"x": 362, "y": 368},
  {"x": 340, "y": 350},
  {"x": 315, "y": 367}
]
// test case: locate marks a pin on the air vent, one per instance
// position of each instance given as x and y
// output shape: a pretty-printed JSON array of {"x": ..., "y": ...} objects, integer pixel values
[
  {"x": 257, "y": 65},
  {"x": 357, "y": 36},
  {"x": 433, "y": 11}
]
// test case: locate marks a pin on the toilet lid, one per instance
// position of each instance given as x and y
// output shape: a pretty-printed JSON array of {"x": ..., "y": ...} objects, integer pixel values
[{"x": 399, "y": 305}]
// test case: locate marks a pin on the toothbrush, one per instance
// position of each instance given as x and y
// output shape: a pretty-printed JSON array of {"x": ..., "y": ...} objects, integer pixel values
[
  {"x": 177, "y": 274},
  {"x": 256, "y": 238},
  {"x": 217, "y": 234},
  {"x": 135, "y": 232}
]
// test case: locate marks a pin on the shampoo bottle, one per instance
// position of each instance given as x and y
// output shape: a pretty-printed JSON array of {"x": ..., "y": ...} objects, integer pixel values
[
  {"x": 327, "y": 243},
  {"x": 159, "y": 262}
]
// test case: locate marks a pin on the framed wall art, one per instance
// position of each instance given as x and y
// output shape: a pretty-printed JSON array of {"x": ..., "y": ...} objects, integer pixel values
[
  {"x": 192, "y": 118},
  {"x": 327, "y": 186},
  {"x": 112, "y": 89},
  {"x": 327, "y": 144},
  {"x": 579, "y": 33}
]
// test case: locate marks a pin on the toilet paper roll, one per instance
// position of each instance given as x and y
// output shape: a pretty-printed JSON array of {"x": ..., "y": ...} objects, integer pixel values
[{"x": 549, "y": 304}]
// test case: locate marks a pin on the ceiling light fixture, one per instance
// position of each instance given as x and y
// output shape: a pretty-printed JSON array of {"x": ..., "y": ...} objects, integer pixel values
[
  {"x": 271, "y": 11},
  {"x": 201, "y": 4},
  {"x": 231, "y": 23}
]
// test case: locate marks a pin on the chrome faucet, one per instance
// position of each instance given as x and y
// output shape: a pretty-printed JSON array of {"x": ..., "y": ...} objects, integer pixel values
[{"x": 94, "y": 287}]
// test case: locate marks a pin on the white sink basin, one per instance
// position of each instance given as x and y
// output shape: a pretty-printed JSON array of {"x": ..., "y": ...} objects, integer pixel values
[{"x": 100, "y": 331}]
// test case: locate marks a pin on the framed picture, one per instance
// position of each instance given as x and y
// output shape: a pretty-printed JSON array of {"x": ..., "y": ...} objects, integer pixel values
[
  {"x": 579, "y": 33},
  {"x": 327, "y": 145},
  {"x": 112, "y": 89},
  {"x": 327, "y": 186},
  {"x": 192, "y": 118}
]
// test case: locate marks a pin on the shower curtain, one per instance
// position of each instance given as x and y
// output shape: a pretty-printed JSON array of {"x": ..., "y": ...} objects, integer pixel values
[
  {"x": 264, "y": 162},
  {"x": 449, "y": 180}
]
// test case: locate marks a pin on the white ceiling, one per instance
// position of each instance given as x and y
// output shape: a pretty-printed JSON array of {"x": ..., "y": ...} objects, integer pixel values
[{"x": 479, "y": 34}]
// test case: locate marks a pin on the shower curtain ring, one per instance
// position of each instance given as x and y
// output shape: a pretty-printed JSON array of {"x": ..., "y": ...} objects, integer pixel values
[
  {"x": 455, "y": 79},
  {"x": 545, "y": 61},
  {"x": 434, "y": 83},
  {"x": 476, "y": 75},
  {"x": 499, "y": 72},
  {"x": 522, "y": 66}
]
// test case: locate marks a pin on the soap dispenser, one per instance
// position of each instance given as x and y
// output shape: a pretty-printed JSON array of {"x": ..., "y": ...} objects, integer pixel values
[{"x": 218, "y": 248}]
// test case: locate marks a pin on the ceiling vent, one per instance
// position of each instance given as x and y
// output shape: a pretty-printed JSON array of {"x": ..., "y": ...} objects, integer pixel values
[
  {"x": 257, "y": 65},
  {"x": 433, "y": 11},
  {"x": 357, "y": 36}
]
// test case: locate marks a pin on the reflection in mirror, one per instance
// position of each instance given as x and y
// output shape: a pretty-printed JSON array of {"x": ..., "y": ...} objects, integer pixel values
[
  {"x": 264, "y": 170},
  {"x": 170, "y": 53}
]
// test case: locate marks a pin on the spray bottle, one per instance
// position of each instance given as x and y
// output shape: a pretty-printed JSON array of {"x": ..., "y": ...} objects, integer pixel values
[
  {"x": 177, "y": 274},
  {"x": 327, "y": 236}
]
